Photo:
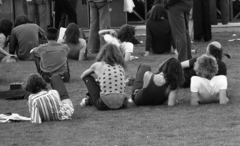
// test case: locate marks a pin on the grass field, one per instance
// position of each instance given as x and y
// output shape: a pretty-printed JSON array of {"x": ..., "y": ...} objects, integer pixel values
[{"x": 210, "y": 124}]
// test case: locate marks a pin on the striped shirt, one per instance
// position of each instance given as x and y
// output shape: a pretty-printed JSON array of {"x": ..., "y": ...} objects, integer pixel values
[{"x": 47, "y": 106}]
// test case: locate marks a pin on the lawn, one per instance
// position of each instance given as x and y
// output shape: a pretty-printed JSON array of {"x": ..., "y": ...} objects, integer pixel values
[{"x": 210, "y": 124}]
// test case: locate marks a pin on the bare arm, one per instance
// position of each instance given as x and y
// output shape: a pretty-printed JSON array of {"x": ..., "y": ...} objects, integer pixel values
[
  {"x": 223, "y": 97},
  {"x": 89, "y": 71},
  {"x": 172, "y": 97},
  {"x": 194, "y": 98}
]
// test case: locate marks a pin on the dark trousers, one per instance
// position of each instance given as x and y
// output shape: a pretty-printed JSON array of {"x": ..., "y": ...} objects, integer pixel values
[
  {"x": 94, "y": 92},
  {"x": 64, "y": 6},
  {"x": 65, "y": 18},
  {"x": 47, "y": 76},
  {"x": 57, "y": 84},
  {"x": 178, "y": 17},
  {"x": 202, "y": 20}
]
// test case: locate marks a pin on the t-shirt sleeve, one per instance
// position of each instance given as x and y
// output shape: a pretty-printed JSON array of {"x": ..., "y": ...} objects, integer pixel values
[
  {"x": 194, "y": 84},
  {"x": 128, "y": 47},
  {"x": 108, "y": 38},
  {"x": 223, "y": 80},
  {"x": 192, "y": 61}
]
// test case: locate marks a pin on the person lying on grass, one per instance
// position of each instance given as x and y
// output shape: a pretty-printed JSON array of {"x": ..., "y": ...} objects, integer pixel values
[
  {"x": 123, "y": 39},
  {"x": 157, "y": 88},
  {"x": 108, "y": 92},
  {"x": 48, "y": 105},
  {"x": 206, "y": 87},
  {"x": 214, "y": 49}
]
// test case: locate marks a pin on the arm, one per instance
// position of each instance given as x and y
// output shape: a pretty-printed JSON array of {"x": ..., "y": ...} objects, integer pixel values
[
  {"x": 223, "y": 97},
  {"x": 172, "y": 97},
  {"x": 82, "y": 52},
  {"x": 4, "y": 52},
  {"x": 35, "y": 116},
  {"x": 194, "y": 98},
  {"x": 89, "y": 71},
  {"x": 81, "y": 56}
]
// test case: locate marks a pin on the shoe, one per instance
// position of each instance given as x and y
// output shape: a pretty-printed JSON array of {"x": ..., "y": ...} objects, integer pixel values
[{"x": 84, "y": 102}]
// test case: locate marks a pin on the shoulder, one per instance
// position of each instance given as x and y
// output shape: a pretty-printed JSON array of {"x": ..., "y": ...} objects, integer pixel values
[
  {"x": 127, "y": 46},
  {"x": 220, "y": 77},
  {"x": 195, "y": 79}
]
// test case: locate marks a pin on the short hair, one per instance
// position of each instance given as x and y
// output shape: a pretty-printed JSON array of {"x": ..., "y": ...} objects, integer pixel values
[
  {"x": 206, "y": 66},
  {"x": 6, "y": 27},
  {"x": 215, "y": 49},
  {"x": 35, "y": 83},
  {"x": 22, "y": 19},
  {"x": 157, "y": 13},
  {"x": 72, "y": 34},
  {"x": 52, "y": 33}
]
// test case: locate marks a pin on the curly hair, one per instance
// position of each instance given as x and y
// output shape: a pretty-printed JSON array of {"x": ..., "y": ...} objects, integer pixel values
[
  {"x": 110, "y": 54},
  {"x": 35, "y": 84},
  {"x": 22, "y": 19},
  {"x": 6, "y": 27},
  {"x": 206, "y": 66},
  {"x": 72, "y": 34},
  {"x": 126, "y": 33},
  {"x": 158, "y": 13},
  {"x": 173, "y": 73},
  {"x": 215, "y": 50}
]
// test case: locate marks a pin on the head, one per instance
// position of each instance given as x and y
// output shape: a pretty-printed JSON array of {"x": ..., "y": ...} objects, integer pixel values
[
  {"x": 126, "y": 33},
  {"x": 206, "y": 66},
  {"x": 215, "y": 49},
  {"x": 158, "y": 13},
  {"x": 173, "y": 73},
  {"x": 112, "y": 55},
  {"x": 52, "y": 34},
  {"x": 22, "y": 19},
  {"x": 72, "y": 34},
  {"x": 6, "y": 27},
  {"x": 35, "y": 83}
]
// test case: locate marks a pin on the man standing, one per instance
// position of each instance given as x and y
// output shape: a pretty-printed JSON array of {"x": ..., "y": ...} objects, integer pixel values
[
  {"x": 37, "y": 12},
  {"x": 99, "y": 20}
]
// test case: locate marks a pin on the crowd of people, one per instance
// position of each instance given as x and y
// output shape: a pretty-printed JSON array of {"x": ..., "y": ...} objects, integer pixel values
[{"x": 165, "y": 29}]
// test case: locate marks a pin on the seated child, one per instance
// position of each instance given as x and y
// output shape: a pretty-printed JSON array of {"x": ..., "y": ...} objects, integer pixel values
[
  {"x": 157, "y": 88},
  {"x": 206, "y": 87},
  {"x": 48, "y": 105},
  {"x": 123, "y": 39},
  {"x": 109, "y": 93}
]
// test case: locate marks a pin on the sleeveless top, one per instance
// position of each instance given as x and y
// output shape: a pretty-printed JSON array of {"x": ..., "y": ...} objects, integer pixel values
[
  {"x": 156, "y": 95},
  {"x": 112, "y": 85}
]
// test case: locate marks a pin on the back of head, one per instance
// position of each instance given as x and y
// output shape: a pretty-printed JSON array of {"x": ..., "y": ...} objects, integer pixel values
[
  {"x": 52, "y": 34},
  {"x": 173, "y": 73},
  {"x": 72, "y": 34},
  {"x": 6, "y": 27},
  {"x": 35, "y": 83},
  {"x": 111, "y": 55},
  {"x": 206, "y": 66},
  {"x": 22, "y": 19},
  {"x": 215, "y": 49},
  {"x": 158, "y": 13},
  {"x": 126, "y": 33}
]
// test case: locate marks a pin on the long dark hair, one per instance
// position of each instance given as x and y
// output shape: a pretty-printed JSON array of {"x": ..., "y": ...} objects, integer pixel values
[
  {"x": 173, "y": 73},
  {"x": 72, "y": 34},
  {"x": 6, "y": 27},
  {"x": 111, "y": 55},
  {"x": 158, "y": 13}
]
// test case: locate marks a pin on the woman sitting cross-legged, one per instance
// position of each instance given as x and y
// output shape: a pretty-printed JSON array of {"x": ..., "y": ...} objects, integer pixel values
[
  {"x": 157, "y": 88},
  {"x": 109, "y": 91},
  {"x": 206, "y": 87},
  {"x": 48, "y": 105}
]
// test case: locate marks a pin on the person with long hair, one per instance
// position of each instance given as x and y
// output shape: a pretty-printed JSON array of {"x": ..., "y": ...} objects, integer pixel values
[
  {"x": 76, "y": 44},
  {"x": 160, "y": 87},
  {"x": 215, "y": 49},
  {"x": 123, "y": 39},
  {"x": 206, "y": 87},
  {"x": 48, "y": 104},
  {"x": 109, "y": 92}
]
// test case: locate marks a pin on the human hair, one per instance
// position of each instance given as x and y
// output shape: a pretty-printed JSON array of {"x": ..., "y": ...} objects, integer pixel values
[
  {"x": 126, "y": 33},
  {"x": 158, "y": 13},
  {"x": 157, "y": 2},
  {"x": 52, "y": 33},
  {"x": 6, "y": 27},
  {"x": 173, "y": 73},
  {"x": 22, "y": 19},
  {"x": 72, "y": 34},
  {"x": 206, "y": 66},
  {"x": 35, "y": 83},
  {"x": 111, "y": 55},
  {"x": 215, "y": 49}
]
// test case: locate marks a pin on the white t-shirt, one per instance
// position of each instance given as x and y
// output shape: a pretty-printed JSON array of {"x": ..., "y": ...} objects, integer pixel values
[
  {"x": 126, "y": 46},
  {"x": 208, "y": 88}
]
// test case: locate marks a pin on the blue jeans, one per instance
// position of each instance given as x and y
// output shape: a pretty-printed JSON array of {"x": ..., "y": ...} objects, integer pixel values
[
  {"x": 99, "y": 20},
  {"x": 38, "y": 13}
]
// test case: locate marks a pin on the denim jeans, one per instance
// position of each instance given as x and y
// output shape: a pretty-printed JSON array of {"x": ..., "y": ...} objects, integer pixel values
[
  {"x": 38, "y": 13},
  {"x": 99, "y": 20}
]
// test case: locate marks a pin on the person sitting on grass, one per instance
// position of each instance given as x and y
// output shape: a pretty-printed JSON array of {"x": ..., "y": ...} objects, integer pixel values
[
  {"x": 76, "y": 44},
  {"x": 157, "y": 88},
  {"x": 123, "y": 39},
  {"x": 109, "y": 91},
  {"x": 214, "y": 49},
  {"x": 206, "y": 87},
  {"x": 48, "y": 105}
]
